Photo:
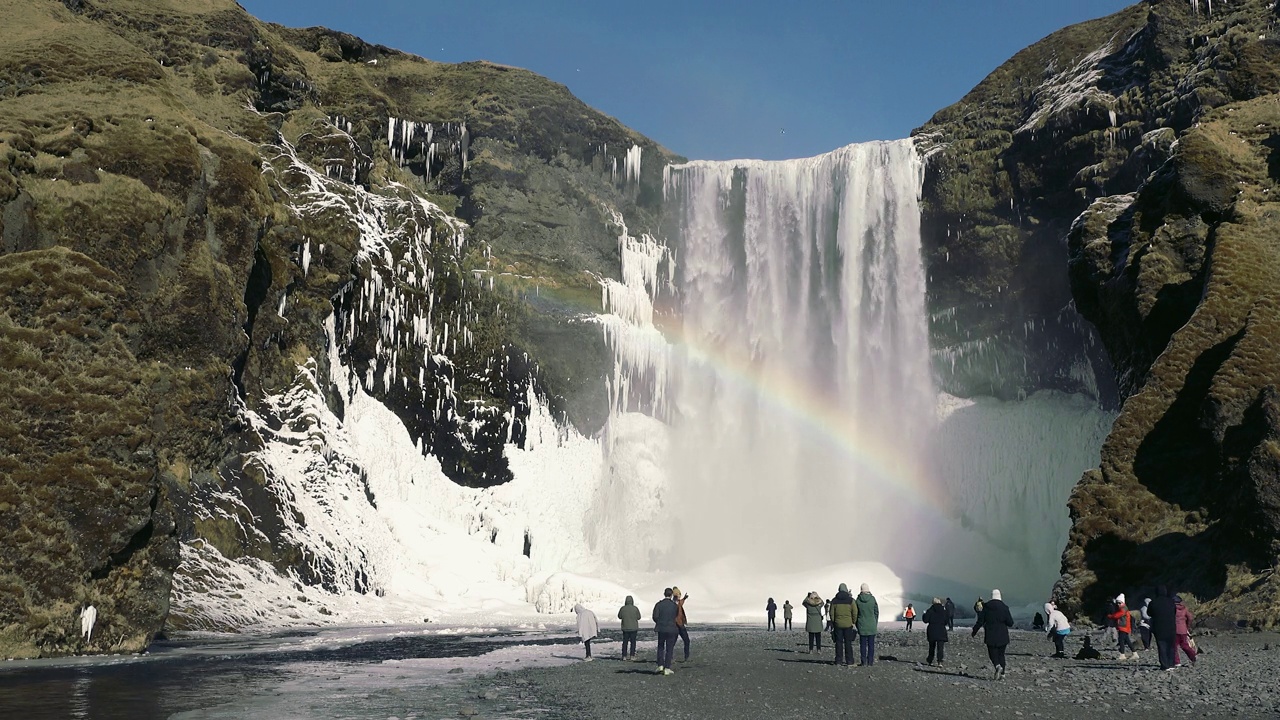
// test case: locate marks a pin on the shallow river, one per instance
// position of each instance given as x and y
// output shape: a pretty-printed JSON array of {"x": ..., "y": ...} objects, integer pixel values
[{"x": 348, "y": 673}]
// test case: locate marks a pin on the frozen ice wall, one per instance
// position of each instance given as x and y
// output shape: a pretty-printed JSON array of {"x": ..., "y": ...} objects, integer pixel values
[{"x": 802, "y": 389}]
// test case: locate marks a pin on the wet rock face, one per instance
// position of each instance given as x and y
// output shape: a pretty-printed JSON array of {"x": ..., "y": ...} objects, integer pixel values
[{"x": 1124, "y": 168}]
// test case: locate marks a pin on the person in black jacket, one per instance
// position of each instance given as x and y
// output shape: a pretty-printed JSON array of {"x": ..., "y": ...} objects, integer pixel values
[
  {"x": 936, "y": 619},
  {"x": 771, "y": 609},
  {"x": 664, "y": 622},
  {"x": 951, "y": 614},
  {"x": 995, "y": 620},
  {"x": 1163, "y": 612}
]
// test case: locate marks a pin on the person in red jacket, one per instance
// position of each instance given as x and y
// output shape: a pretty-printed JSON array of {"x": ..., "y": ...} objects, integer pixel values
[{"x": 1124, "y": 626}]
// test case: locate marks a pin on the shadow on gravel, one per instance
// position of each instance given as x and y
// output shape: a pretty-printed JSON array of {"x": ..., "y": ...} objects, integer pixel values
[
  {"x": 634, "y": 672},
  {"x": 948, "y": 673},
  {"x": 800, "y": 652},
  {"x": 814, "y": 661},
  {"x": 1116, "y": 666}
]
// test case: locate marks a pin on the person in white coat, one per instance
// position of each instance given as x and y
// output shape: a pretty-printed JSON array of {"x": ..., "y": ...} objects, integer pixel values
[
  {"x": 588, "y": 628},
  {"x": 1058, "y": 628}
]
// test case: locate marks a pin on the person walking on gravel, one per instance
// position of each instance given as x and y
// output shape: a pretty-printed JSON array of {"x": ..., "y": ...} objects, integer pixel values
[
  {"x": 1110, "y": 621},
  {"x": 1164, "y": 625},
  {"x": 935, "y": 623},
  {"x": 771, "y": 609},
  {"x": 786, "y": 615},
  {"x": 909, "y": 615},
  {"x": 868, "y": 624},
  {"x": 995, "y": 622},
  {"x": 1144, "y": 624},
  {"x": 1058, "y": 628},
  {"x": 813, "y": 620},
  {"x": 1124, "y": 628},
  {"x": 682, "y": 621},
  {"x": 664, "y": 623},
  {"x": 588, "y": 628},
  {"x": 844, "y": 618},
  {"x": 1182, "y": 620},
  {"x": 951, "y": 614},
  {"x": 629, "y": 614}
]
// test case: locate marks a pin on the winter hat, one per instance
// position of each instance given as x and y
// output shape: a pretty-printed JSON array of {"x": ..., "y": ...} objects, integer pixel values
[
  {"x": 995, "y": 594},
  {"x": 866, "y": 588},
  {"x": 936, "y": 601},
  {"x": 1048, "y": 608},
  {"x": 844, "y": 588},
  {"x": 1120, "y": 599}
]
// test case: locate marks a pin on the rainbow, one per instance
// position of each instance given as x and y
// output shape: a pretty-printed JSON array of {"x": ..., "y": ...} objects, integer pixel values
[{"x": 782, "y": 392}]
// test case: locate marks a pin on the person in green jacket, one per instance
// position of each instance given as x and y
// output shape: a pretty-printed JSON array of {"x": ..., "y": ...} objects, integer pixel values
[
  {"x": 629, "y": 614},
  {"x": 844, "y": 618},
  {"x": 786, "y": 615},
  {"x": 868, "y": 622},
  {"x": 813, "y": 620}
]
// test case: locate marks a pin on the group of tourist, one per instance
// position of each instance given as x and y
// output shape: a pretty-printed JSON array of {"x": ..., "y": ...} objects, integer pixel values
[
  {"x": 669, "y": 622},
  {"x": 1164, "y": 619}
]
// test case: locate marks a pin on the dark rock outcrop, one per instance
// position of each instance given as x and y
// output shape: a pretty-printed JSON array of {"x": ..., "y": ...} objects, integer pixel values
[{"x": 1138, "y": 150}]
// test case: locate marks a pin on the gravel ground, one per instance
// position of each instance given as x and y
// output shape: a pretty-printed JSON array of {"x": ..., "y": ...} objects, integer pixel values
[{"x": 738, "y": 673}]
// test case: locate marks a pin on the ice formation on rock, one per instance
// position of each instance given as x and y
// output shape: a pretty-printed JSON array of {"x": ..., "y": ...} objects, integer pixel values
[{"x": 88, "y": 616}]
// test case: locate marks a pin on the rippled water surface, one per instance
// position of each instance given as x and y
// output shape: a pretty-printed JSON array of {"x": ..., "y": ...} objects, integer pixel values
[{"x": 360, "y": 673}]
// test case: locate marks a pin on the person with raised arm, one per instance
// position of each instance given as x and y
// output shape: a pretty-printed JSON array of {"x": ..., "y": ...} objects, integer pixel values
[
  {"x": 813, "y": 620},
  {"x": 682, "y": 620}
]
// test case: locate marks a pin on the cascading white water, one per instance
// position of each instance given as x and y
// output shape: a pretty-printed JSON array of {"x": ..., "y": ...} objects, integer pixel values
[
  {"x": 802, "y": 390},
  {"x": 806, "y": 439}
]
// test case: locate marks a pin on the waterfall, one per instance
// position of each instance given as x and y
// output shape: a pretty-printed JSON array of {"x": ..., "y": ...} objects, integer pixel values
[
  {"x": 802, "y": 389},
  {"x": 779, "y": 414}
]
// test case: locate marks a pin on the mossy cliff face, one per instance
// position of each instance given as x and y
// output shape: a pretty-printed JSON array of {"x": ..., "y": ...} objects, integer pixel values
[
  {"x": 167, "y": 272},
  {"x": 1182, "y": 280},
  {"x": 1137, "y": 150},
  {"x": 1087, "y": 112}
]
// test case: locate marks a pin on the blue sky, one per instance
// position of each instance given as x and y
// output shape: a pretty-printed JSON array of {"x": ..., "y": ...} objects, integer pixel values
[{"x": 721, "y": 80}]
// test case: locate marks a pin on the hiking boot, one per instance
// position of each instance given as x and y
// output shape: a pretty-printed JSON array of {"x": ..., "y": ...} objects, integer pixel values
[
  {"x": 997, "y": 673},
  {"x": 668, "y": 671},
  {"x": 587, "y": 659},
  {"x": 660, "y": 669}
]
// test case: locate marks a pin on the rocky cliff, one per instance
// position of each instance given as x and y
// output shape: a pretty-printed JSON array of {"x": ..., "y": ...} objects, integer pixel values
[
  {"x": 1139, "y": 151},
  {"x": 195, "y": 208},
  {"x": 203, "y": 216}
]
